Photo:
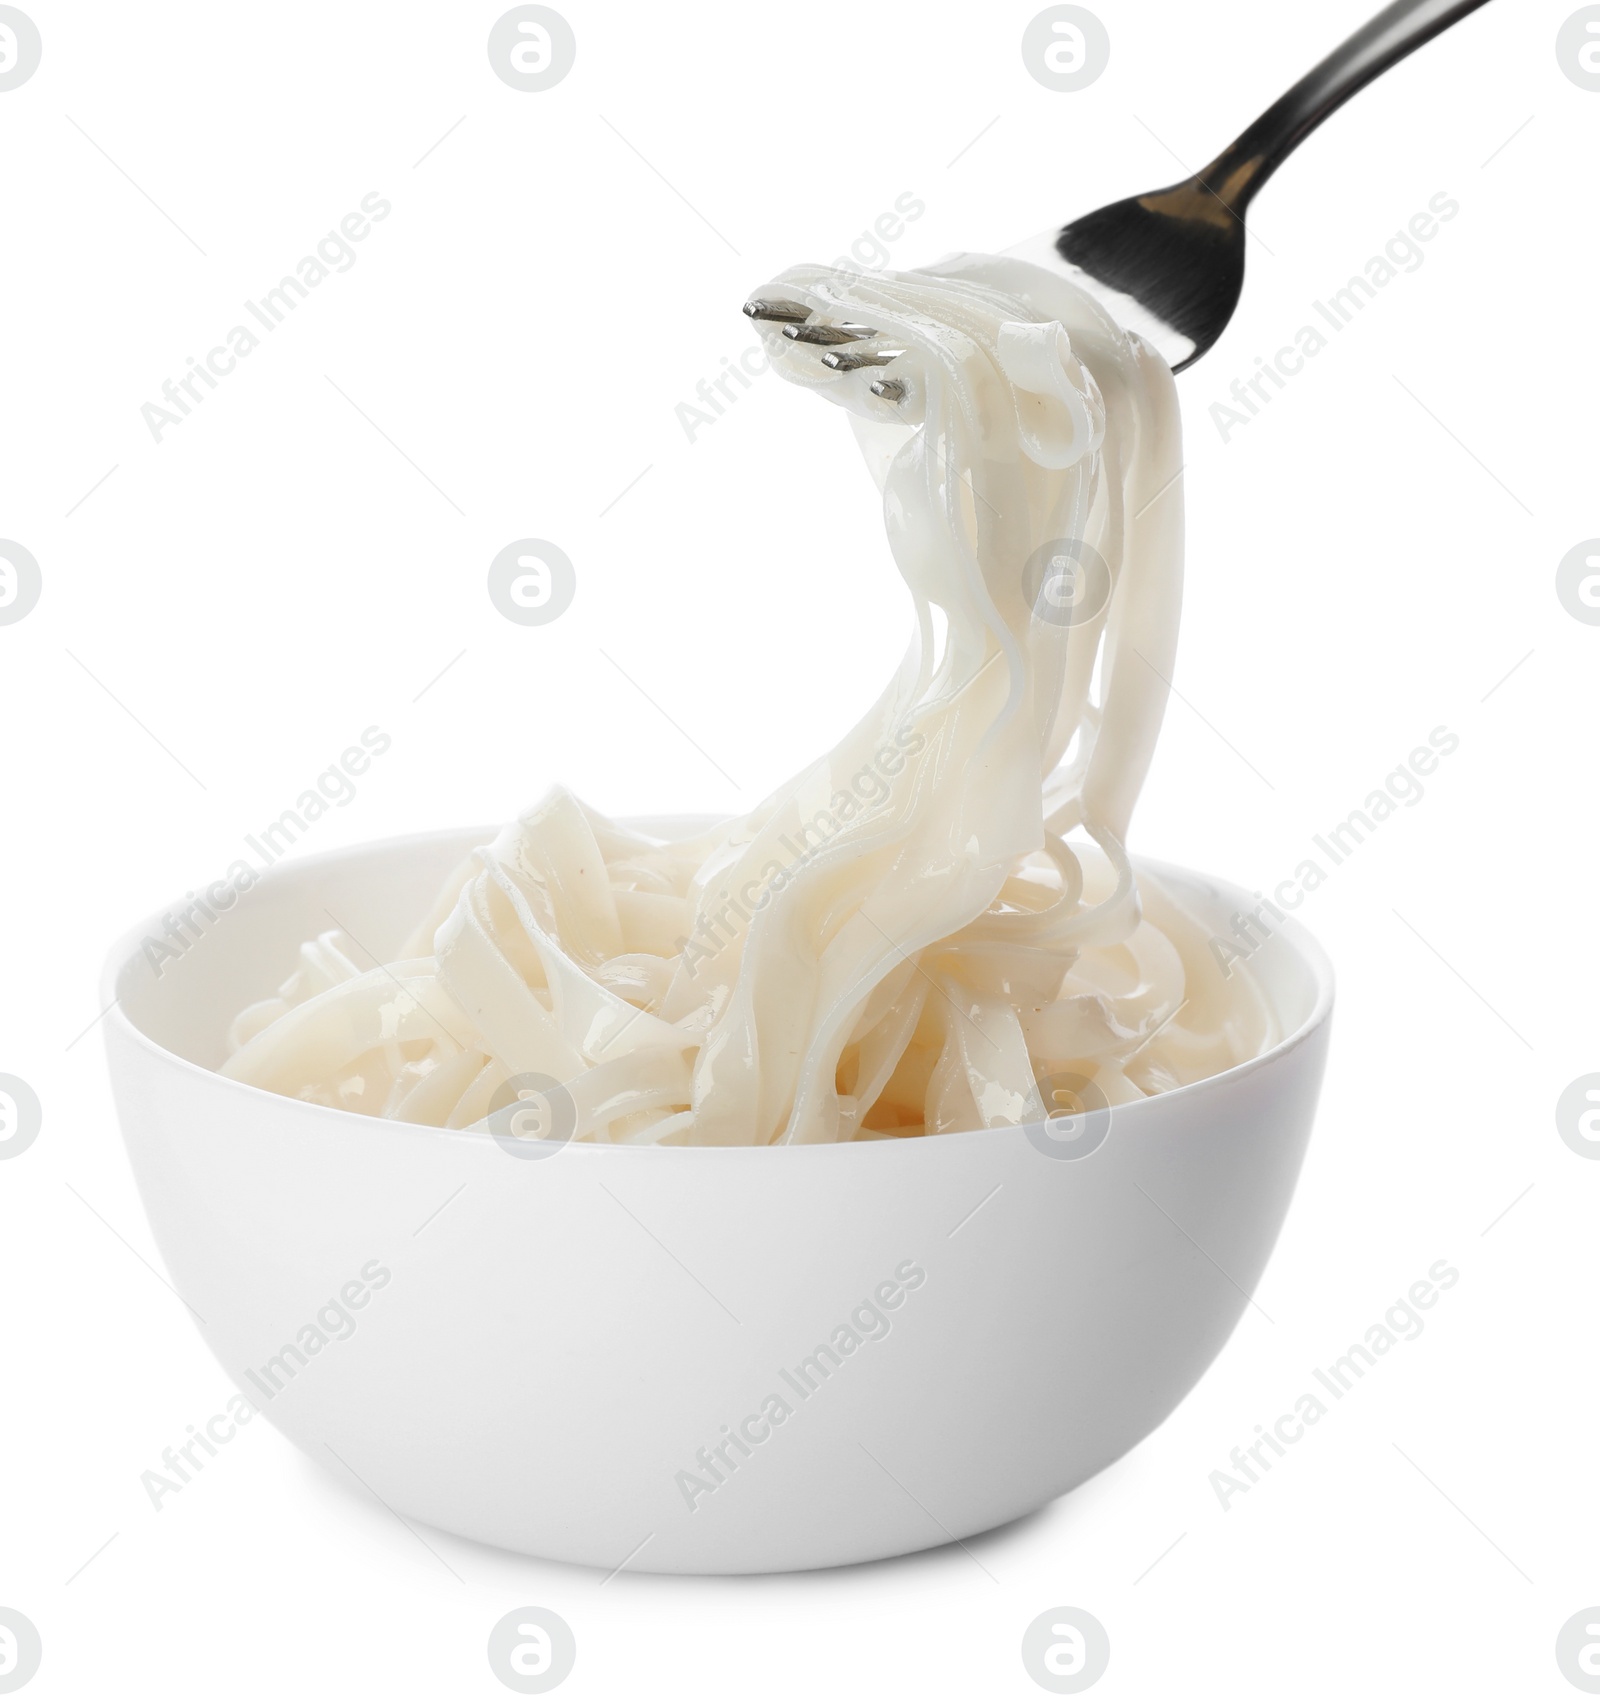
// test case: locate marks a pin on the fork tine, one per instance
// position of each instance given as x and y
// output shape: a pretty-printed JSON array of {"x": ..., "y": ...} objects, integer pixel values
[
  {"x": 856, "y": 359},
  {"x": 829, "y": 333},
  {"x": 779, "y": 312}
]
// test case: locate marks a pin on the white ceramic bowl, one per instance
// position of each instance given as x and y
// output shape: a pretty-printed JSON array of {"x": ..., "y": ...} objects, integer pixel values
[{"x": 550, "y": 1344}]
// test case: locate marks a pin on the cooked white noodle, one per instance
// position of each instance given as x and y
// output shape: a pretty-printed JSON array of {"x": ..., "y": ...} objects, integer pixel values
[{"x": 911, "y": 933}]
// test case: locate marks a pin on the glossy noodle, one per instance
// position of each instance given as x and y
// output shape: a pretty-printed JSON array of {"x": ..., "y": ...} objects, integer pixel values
[{"x": 931, "y": 926}]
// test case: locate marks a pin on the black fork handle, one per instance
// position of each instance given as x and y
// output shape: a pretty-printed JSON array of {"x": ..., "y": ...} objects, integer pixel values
[{"x": 1245, "y": 164}]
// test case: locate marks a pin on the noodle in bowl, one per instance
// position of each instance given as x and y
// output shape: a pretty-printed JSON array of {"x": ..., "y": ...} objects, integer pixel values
[{"x": 839, "y": 964}]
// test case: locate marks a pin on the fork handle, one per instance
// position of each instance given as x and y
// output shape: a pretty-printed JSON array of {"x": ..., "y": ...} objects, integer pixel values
[{"x": 1246, "y": 163}]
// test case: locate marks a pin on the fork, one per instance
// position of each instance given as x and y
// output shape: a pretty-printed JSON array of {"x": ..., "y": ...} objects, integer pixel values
[{"x": 1170, "y": 264}]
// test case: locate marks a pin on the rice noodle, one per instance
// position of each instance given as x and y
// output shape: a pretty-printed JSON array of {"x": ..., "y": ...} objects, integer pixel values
[{"x": 918, "y": 928}]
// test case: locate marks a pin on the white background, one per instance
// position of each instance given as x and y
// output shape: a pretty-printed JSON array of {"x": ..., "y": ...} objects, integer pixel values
[{"x": 305, "y": 554}]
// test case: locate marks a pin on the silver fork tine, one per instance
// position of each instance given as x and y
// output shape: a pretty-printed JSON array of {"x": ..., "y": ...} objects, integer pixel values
[
  {"x": 856, "y": 359},
  {"x": 829, "y": 333},
  {"x": 780, "y": 312}
]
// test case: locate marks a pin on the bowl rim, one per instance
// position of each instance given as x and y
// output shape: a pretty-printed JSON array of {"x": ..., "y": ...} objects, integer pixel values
[{"x": 1299, "y": 938}]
